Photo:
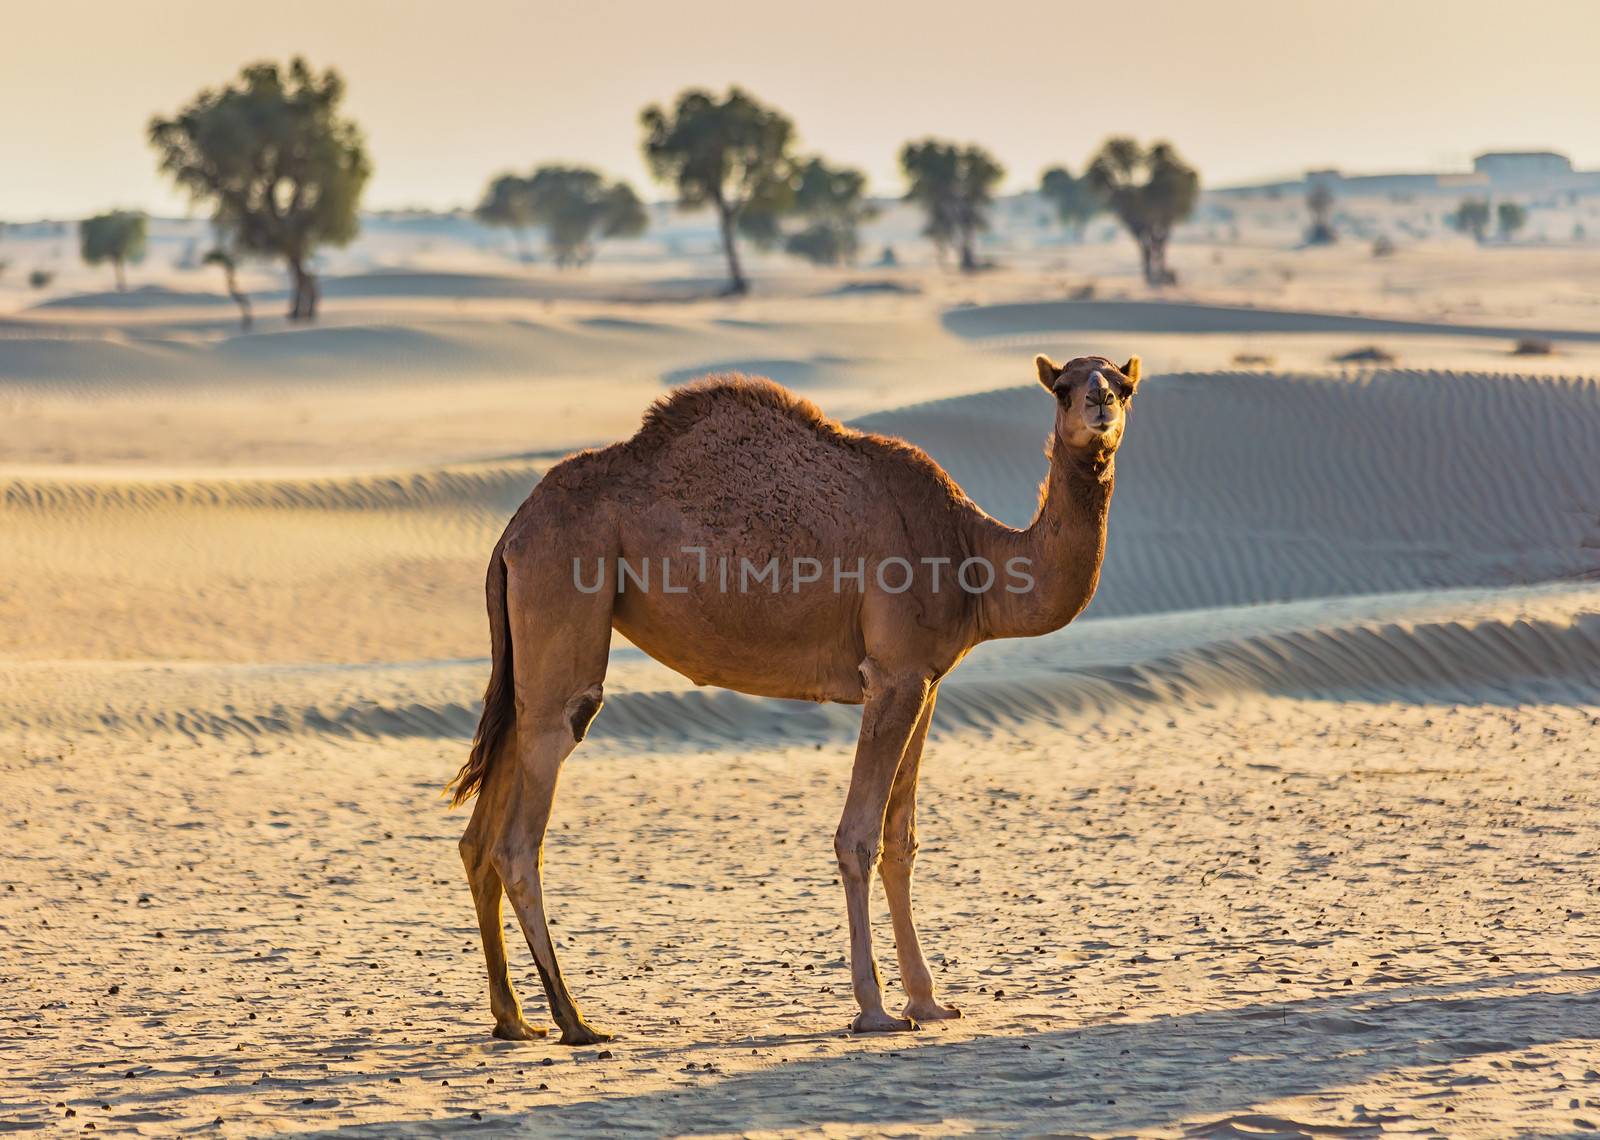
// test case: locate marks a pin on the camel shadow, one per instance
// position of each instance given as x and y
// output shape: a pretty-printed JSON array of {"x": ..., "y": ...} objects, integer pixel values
[{"x": 1195, "y": 1074}]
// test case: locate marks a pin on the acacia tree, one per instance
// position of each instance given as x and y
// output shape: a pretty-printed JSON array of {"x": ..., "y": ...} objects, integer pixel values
[
  {"x": 573, "y": 204},
  {"x": 505, "y": 204},
  {"x": 225, "y": 258},
  {"x": 117, "y": 237},
  {"x": 283, "y": 171},
  {"x": 1510, "y": 217},
  {"x": 1150, "y": 191},
  {"x": 832, "y": 200},
  {"x": 1472, "y": 218},
  {"x": 730, "y": 154},
  {"x": 1073, "y": 198},
  {"x": 955, "y": 186}
]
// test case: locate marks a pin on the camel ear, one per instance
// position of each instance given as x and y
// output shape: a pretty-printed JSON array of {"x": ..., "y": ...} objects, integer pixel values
[
  {"x": 1131, "y": 371},
  {"x": 1049, "y": 371}
]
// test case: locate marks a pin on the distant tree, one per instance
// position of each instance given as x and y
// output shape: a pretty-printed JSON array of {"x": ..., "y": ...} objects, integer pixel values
[
  {"x": 955, "y": 187},
  {"x": 1472, "y": 217},
  {"x": 822, "y": 244},
  {"x": 1319, "y": 200},
  {"x": 505, "y": 204},
  {"x": 730, "y": 154},
  {"x": 832, "y": 200},
  {"x": 117, "y": 237},
  {"x": 230, "y": 264},
  {"x": 1073, "y": 198},
  {"x": 40, "y": 278},
  {"x": 283, "y": 171},
  {"x": 1150, "y": 191},
  {"x": 1510, "y": 217},
  {"x": 573, "y": 204}
]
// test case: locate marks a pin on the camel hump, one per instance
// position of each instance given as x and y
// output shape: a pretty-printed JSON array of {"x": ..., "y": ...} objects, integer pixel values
[
  {"x": 732, "y": 395},
  {"x": 744, "y": 451}
]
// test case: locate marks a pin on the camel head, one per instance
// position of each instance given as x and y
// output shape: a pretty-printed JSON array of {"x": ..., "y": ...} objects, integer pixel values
[{"x": 1092, "y": 396}]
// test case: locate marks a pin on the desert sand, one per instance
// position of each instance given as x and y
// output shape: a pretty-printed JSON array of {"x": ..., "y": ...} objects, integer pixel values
[{"x": 1292, "y": 834}]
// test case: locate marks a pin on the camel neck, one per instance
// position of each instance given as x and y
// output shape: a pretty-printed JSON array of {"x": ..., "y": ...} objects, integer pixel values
[{"x": 1063, "y": 546}]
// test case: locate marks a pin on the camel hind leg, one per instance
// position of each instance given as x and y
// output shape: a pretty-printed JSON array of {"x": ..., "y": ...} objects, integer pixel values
[
  {"x": 560, "y": 641},
  {"x": 487, "y": 895}
]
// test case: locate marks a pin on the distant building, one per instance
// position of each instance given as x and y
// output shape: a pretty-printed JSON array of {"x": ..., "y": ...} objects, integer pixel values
[
  {"x": 1522, "y": 172},
  {"x": 1522, "y": 165}
]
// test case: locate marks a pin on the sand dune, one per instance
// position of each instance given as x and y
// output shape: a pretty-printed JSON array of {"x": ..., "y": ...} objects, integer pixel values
[
  {"x": 488, "y": 485},
  {"x": 1254, "y": 487},
  {"x": 387, "y": 351},
  {"x": 1376, "y": 484},
  {"x": 139, "y": 297},
  {"x": 371, "y": 389},
  {"x": 1291, "y": 834},
  {"x": 1034, "y": 317},
  {"x": 1496, "y": 647},
  {"x": 411, "y": 283}
]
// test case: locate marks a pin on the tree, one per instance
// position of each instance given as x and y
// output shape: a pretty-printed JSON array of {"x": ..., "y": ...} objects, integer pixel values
[
  {"x": 505, "y": 204},
  {"x": 117, "y": 237},
  {"x": 1319, "y": 200},
  {"x": 832, "y": 200},
  {"x": 1150, "y": 191},
  {"x": 730, "y": 154},
  {"x": 230, "y": 265},
  {"x": 283, "y": 171},
  {"x": 1511, "y": 217},
  {"x": 572, "y": 203},
  {"x": 1472, "y": 217},
  {"x": 955, "y": 186},
  {"x": 1073, "y": 198}
]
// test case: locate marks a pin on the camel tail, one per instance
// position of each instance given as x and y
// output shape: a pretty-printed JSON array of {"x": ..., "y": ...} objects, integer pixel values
[{"x": 499, "y": 699}]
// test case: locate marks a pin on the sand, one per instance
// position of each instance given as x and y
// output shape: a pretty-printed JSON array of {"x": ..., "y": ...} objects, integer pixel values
[{"x": 1293, "y": 834}]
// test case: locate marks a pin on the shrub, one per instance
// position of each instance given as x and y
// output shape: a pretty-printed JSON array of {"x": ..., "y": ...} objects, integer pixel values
[{"x": 1366, "y": 354}]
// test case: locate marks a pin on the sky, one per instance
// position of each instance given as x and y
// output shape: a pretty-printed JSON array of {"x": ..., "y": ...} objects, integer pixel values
[{"x": 450, "y": 92}]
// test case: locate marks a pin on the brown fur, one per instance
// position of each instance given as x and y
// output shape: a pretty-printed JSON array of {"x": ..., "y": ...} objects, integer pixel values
[
  {"x": 742, "y": 469},
  {"x": 683, "y": 408}
]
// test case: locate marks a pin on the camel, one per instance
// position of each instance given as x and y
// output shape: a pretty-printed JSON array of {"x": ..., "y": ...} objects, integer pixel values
[{"x": 706, "y": 540}]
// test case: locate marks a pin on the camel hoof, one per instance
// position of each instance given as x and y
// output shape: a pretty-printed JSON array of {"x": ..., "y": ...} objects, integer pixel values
[
  {"x": 583, "y": 1035},
  {"x": 930, "y": 1010},
  {"x": 519, "y": 1030},
  {"x": 880, "y": 1022}
]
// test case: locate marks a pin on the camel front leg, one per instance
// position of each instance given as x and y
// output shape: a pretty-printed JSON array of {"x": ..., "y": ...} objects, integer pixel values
[
  {"x": 899, "y": 856},
  {"x": 893, "y": 708}
]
